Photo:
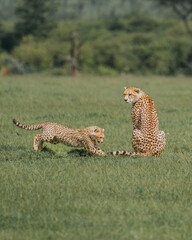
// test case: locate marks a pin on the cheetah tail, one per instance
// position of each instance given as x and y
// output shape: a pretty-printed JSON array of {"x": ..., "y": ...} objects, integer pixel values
[
  {"x": 114, "y": 153},
  {"x": 27, "y": 127},
  {"x": 125, "y": 153}
]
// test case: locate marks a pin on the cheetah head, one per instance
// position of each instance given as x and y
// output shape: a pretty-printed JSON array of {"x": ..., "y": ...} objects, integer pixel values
[
  {"x": 97, "y": 134},
  {"x": 132, "y": 94}
]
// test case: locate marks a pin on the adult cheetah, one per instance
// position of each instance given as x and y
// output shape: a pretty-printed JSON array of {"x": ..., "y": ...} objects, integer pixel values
[{"x": 147, "y": 139}]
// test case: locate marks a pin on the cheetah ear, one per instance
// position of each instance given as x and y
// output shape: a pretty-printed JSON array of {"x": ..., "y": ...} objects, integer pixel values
[
  {"x": 103, "y": 129},
  {"x": 137, "y": 90},
  {"x": 125, "y": 87},
  {"x": 96, "y": 130}
]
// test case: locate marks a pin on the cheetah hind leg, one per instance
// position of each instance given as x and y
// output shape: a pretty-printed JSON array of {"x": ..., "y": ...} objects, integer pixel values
[
  {"x": 37, "y": 138},
  {"x": 41, "y": 144}
]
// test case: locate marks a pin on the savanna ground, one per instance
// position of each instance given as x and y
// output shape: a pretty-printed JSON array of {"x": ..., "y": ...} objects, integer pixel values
[{"x": 59, "y": 194}]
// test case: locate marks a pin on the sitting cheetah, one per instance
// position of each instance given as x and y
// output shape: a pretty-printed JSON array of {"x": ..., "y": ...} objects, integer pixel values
[
  {"x": 56, "y": 133},
  {"x": 147, "y": 139}
]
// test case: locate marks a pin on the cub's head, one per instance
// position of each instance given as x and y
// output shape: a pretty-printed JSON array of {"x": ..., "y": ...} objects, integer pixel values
[
  {"x": 132, "y": 94},
  {"x": 97, "y": 134}
]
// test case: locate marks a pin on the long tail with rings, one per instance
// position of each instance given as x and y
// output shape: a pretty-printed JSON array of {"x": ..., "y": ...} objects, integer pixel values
[
  {"x": 27, "y": 127},
  {"x": 126, "y": 153}
]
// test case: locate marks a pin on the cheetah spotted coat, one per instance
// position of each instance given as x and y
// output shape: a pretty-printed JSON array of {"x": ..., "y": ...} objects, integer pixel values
[
  {"x": 58, "y": 133},
  {"x": 147, "y": 139}
]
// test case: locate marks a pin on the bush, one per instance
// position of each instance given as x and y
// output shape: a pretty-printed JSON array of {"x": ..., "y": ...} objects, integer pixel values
[
  {"x": 38, "y": 54},
  {"x": 133, "y": 45},
  {"x": 3, "y": 55},
  {"x": 134, "y": 24},
  {"x": 106, "y": 71},
  {"x": 182, "y": 53}
]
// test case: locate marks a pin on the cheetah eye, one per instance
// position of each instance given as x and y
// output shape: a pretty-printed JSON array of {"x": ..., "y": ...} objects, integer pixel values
[{"x": 129, "y": 94}]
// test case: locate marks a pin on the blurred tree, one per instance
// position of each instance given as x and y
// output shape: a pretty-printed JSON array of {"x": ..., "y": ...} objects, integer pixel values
[
  {"x": 1, "y": 35},
  {"x": 9, "y": 41},
  {"x": 182, "y": 8},
  {"x": 36, "y": 17}
]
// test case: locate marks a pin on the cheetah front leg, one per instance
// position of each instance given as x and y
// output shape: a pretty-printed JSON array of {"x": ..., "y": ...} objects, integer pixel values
[
  {"x": 91, "y": 148},
  {"x": 98, "y": 151},
  {"x": 95, "y": 151}
]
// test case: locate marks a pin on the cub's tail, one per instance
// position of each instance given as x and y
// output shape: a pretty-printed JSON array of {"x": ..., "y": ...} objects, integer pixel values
[{"x": 27, "y": 127}]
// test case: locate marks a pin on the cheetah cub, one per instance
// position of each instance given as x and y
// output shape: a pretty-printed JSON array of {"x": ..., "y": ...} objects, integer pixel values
[{"x": 58, "y": 133}]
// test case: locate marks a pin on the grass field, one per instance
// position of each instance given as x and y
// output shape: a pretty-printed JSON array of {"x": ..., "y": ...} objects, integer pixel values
[{"x": 59, "y": 194}]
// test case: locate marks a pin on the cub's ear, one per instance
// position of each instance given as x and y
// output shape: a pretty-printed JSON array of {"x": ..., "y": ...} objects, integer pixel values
[
  {"x": 103, "y": 129},
  {"x": 96, "y": 130},
  {"x": 137, "y": 90},
  {"x": 125, "y": 87}
]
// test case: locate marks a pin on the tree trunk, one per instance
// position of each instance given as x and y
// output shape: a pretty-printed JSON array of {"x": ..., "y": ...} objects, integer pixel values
[
  {"x": 186, "y": 23},
  {"x": 74, "y": 51}
]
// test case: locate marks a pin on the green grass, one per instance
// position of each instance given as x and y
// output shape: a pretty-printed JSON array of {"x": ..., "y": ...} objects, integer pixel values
[{"x": 58, "y": 194}]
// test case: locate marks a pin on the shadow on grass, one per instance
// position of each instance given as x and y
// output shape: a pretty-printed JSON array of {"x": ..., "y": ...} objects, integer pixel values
[
  {"x": 47, "y": 150},
  {"x": 71, "y": 153},
  {"x": 15, "y": 153},
  {"x": 78, "y": 152}
]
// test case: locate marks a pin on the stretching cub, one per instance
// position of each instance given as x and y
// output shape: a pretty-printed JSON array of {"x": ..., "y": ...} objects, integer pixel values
[{"x": 58, "y": 133}]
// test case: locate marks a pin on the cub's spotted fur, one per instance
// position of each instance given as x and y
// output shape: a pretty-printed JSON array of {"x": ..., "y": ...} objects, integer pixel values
[
  {"x": 147, "y": 139},
  {"x": 56, "y": 133}
]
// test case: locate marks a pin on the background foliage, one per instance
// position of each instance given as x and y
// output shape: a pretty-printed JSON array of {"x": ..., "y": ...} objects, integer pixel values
[
  {"x": 124, "y": 45},
  {"x": 117, "y": 37}
]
